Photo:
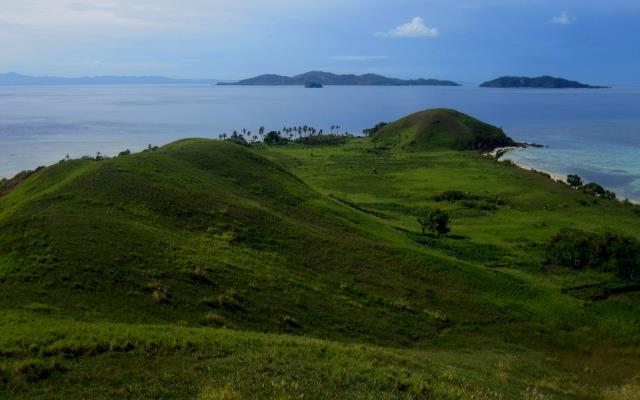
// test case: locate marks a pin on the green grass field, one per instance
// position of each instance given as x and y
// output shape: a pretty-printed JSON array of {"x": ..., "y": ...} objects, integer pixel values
[{"x": 210, "y": 270}]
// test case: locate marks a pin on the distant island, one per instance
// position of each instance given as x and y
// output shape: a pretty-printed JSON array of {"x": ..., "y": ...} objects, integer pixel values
[
  {"x": 546, "y": 82},
  {"x": 15, "y": 79},
  {"x": 313, "y": 85},
  {"x": 327, "y": 78}
]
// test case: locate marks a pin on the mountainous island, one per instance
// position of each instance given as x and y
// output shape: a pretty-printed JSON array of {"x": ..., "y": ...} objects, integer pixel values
[
  {"x": 405, "y": 264},
  {"x": 15, "y": 79},
  {"x": 546, "y": 82},
  {"x": 327, "y": 78}
]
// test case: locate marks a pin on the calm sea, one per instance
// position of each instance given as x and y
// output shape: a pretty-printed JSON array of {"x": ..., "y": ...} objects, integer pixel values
[{"x": 594, "y": 133}]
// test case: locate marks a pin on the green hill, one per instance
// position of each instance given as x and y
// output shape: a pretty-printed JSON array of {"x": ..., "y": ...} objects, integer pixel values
[
  {"x": 132, "y": 236},
  {"x": 206, "y": 269},
  {"x": 441, "y": 129}
]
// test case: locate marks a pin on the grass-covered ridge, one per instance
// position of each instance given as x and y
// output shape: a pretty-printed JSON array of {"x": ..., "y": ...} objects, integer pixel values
[
  {"x": 441, "y": 129},
  {"x": 207, "y": 269}
]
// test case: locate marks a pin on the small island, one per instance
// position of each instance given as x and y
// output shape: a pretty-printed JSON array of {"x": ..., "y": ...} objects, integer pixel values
[
  {"x": 328, "y": 78},
  {"x": 313, "y": 85},
  {"x": 543, "y": 82}
]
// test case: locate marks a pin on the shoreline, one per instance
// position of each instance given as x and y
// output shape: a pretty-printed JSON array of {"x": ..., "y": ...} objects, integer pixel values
[{"x": 498, "y": 152}]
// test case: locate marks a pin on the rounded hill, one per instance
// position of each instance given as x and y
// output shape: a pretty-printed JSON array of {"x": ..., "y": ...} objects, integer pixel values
[{"x": 441, "y": 129}]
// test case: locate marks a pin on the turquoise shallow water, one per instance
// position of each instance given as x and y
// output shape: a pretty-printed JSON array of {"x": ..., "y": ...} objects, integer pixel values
[{"x": 595, "y": 133}]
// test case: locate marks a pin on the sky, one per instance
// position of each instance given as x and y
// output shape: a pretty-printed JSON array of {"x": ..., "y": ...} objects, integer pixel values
[{"x": 595, "y": 41}]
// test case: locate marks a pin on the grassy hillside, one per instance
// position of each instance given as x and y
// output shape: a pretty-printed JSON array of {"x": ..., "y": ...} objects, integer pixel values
[
  {"x": 206, "y": 269},
  {"x": 441, "y": 129}
]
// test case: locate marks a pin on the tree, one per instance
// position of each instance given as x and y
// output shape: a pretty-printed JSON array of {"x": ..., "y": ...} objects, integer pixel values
[
  {"x": 574, "y": 181},
  {"x": 434, "y": 220},
  {"x": 274, "y": 137}
]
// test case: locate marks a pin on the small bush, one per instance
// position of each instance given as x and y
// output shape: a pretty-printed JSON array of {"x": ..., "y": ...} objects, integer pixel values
[
  {"x": 290, "y": 322},
  {"x": 214, "y": 318},
  {"x": 33, "y": 370},
  {"x": 454, "y": 195},
  {"x": 322, "y": 140},
  {"x": 469, "y": 198},
  {"x": 200, "y": 274},
  {"x": 4, "y": 376},
  {"x": 608, "y": 252},
  {"x": 433, "y": 220},
  {"x": 229, "y": 300},
  {"x": 159, "y": 293},
  {"x": 209, "y": 301},
  {"x": 597, "y": 190},
  {"x": 480, "y": 205},
  {"x": 124, "y": 153}
]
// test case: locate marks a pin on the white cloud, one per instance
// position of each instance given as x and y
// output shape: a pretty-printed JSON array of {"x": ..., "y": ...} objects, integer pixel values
[
  {"x": 358, "y": 58},
  {"x": 413, "y": 28},
  {"x": 563, "y": 19}
]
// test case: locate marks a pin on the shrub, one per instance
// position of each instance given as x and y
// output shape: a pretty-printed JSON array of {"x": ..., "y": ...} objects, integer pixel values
[
  {"x": 200, "y": 274},
  {"x": 229, "y": 299},
  {"x": 480, "y": 205},
  {"x": 457, "y": 195},
  {"x": 454, "y": 195},
  {"x": 209, "y": 301},
  {"x": 608, "y": 252},
  {"x": 124, "y": 153},
  {"x": 574, "y": 181},
  {"x": 214, "y": 318},
  {"x": 597, "y": 190},
  {"x": 4, "y": 376},
  {"x": 434, "y": 220},
  {"x": 322, "y": 140},
  {"x": 159, "y": 293},
  {"x": 33, "y": 370},
  {"x": 290, "y": 322}
]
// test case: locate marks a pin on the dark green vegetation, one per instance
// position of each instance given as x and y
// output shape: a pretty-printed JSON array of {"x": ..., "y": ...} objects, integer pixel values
[
  {"x": 546, "y": 82},
  {"x": 607, "y": 252},
  {"x": 207, "y": 269},
  {"x": 440, "y": 129},
  {"x": 327, "y": 78},
  {"x": 435, "y": 221}
]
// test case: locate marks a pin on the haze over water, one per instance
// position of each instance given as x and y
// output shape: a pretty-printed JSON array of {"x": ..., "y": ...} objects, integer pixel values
[{"x": 595, "y": 133}]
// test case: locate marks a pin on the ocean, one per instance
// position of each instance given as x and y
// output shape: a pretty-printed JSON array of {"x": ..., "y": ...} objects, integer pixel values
[{"x": 594, "y": 133}]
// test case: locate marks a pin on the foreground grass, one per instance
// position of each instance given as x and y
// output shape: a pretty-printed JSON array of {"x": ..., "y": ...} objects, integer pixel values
[{"x": 45, "y": 355}]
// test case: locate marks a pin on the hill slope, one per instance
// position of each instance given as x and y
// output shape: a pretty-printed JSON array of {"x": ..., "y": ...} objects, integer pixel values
[
  {"x": 206, "y": 269},
  {"x": 327, "y": 78},
  {"x": 546, "y": 82},
  {"x": 441, "y": 129},
  {"x": 206, "y": 226}
]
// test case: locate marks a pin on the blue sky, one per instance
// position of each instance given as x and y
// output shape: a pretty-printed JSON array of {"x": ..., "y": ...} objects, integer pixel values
[{"x": 463, "y": 40}]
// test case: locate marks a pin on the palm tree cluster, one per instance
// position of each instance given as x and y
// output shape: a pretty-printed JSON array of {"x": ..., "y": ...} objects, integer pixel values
[{"x": 287, "y": 132}]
